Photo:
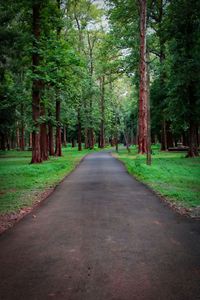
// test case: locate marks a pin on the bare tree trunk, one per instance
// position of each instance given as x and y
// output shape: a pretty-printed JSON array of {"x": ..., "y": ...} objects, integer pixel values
[
  {"x": 164, "y": 136},
  {"x": 36, "y": 86},
  {"x": 17, "y": 136},
  {"x": 58, "y": 150},
  {"x": 169, "y": 135},
  {"x": 142, "y": 138},
  {"x": 22, "y": 140},
  {"x": 116, "y": 135},
  {"x": 3, "y": 142},
  {"x": 79, "y": 131},
  {"x": 193, "y": 141},
  {"x": 149, "y": 160},
  {"x": 91, "y": 43},
  {"x": 91, "y": 138},
  {"x": 117, "y": 146},
  {"x": 102, "y": 108},
  {"x": 30, "y": 140},
  {"x": 58, "y": 146},
  {"x": 73, "y": 143},
  {"x": 22, "y": 130},
  {"x": 86, "y": 138},
  {"x": 43, "y": 136},
  {"x": 126, "y": 142},
  {"x": 64, "y": 136},
  {"x": 51, "y": 143}
]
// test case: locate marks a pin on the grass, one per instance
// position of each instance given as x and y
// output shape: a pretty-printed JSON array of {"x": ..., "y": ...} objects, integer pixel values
[
  {"x": 22, "y": 182},
  {"x": 171, "y": 174}
]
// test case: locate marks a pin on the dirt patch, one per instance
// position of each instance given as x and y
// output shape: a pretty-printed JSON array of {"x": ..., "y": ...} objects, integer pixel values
[{"x": 9, "y": 220}]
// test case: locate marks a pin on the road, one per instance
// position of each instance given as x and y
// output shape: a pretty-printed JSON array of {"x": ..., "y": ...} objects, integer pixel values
[{"x": 101, "y": 236}]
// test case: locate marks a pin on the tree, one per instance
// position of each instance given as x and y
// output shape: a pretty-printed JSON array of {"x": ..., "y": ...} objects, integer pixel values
[
  {"x": 184, "y": 47},
  {"x": 143, "y": 97},
  {"x": 36, "y": 85}
]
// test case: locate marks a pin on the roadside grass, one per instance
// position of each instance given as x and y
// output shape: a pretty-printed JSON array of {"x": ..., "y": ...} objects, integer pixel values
[
  {"x": 171, "y": 174},
  {"x": 21, "y": 183}
]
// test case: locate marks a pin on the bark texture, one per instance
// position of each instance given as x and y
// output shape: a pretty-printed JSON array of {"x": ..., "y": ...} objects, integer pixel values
[
  {"x": 142, "y": 122},
  {"x": 36, "y": 86},
  {"x": 193, "y": 140},
  {"x": 43, "y": 136},
  {"x": 58, "y": 150},
  {"x": 102, "y": 109},
  {"x": 79, "y": 131}
]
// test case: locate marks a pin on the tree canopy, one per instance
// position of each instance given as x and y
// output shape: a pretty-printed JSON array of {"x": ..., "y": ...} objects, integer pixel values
[{"x": 72, "y": 72}]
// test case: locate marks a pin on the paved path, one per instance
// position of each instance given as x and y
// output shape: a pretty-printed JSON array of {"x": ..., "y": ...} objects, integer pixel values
[{"x": 101, "y": 236}]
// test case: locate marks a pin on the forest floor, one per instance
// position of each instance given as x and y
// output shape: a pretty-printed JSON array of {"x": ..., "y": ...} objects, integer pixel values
[
  {"x": 171, "y": 175},
  {"x": 101, "y": 235},
  {"x": 24, "y": 185}
]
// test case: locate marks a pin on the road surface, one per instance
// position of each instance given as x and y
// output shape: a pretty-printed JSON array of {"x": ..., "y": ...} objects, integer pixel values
[{"x": 101, "y": 236}]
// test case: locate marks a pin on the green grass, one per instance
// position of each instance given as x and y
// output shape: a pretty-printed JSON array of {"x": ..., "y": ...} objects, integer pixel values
[
  {"x": 22, "y": 182},
  {"x": 171, "y": 174}
]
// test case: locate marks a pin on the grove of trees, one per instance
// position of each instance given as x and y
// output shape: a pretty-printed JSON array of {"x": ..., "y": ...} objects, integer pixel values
[{"x": 90, "y": 72}]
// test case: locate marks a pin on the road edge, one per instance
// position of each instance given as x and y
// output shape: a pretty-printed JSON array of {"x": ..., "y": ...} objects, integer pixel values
[
  {"x": 11, "y": 219},
  {"x": 179, "y": 210}
]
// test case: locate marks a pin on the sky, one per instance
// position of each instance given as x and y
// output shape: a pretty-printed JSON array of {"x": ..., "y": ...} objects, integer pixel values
[{"x": 100, "y": 3}]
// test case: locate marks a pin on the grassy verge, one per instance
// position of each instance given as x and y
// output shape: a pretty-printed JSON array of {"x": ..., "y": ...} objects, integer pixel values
[
  {"x": 22, "y": 183},
  {"x": 171, "y": 175}
]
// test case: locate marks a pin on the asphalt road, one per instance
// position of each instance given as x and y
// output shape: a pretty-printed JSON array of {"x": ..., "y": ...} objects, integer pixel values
[{"x": 101, "y": 236}]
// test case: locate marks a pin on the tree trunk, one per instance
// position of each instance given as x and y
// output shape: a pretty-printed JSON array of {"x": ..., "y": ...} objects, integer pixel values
[
  {"x": 51, "y": 143},
  {"x": 86, "y": 138},
  {"x": 79, "y": 131},
  {"x": 36, "y": 86},
  {"x": 102, "y": 109},
  {"x": 164, "y": 136},
  {"x": 13, "y": 141},
  {"x": 30, "y": 140},
  {"x": 126, "y": 142},
  {"x": 73, "y": 143},
  {"x": 43, "y": 136},
  {"x": 169, "y": 135},
  {"x": 149, "y": 158},
  {"x": 8, "y": 142},
  {"x": 185, "y": 139},
  {"x": 58, "y": 150},
  {"x": 116, "y": 146},
  {"x": 64, "y": 136},
  {"x": 22, "y": 141},
  {"x": 91, "y": 138},
  {"x": 193, "y": 142},
  {"x": 142, "y": 138},
  {"x": 91, "y": 70},
  {"x": 17, "y": 136},
  {"x": 3, "y": 142},
  {"x": 116, "y": 135}
]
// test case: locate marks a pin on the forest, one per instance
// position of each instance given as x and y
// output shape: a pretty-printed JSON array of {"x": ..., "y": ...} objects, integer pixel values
[
  {"x": 99, "y": 149},
  {"x": 92, "y": 72}
]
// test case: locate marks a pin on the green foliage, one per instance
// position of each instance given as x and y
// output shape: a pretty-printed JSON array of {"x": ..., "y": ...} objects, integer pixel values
[{"x": 184, "y": 48}]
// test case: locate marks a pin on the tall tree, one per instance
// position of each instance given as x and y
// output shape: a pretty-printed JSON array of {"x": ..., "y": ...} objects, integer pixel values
[
  {"x": 36, "y": 86},
  {"x": 58, "y": 149},
  {"x": 143, "y": 97},
  {"x": 184, "y": 46}
]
